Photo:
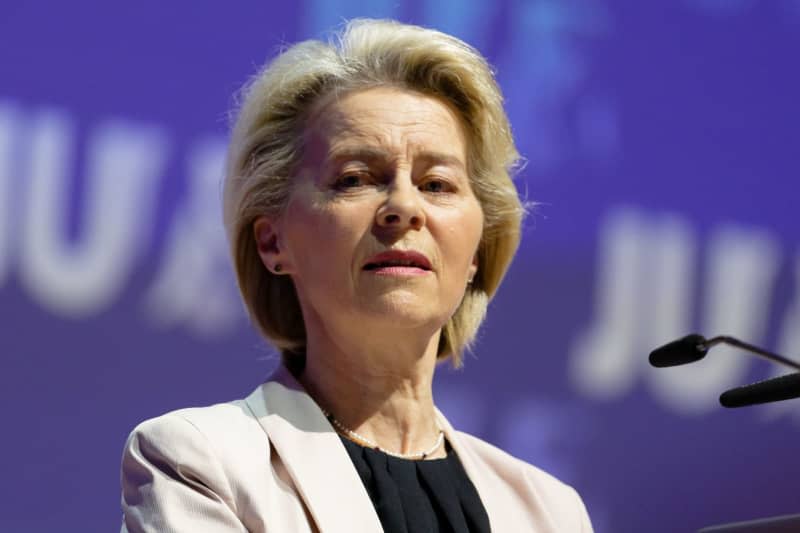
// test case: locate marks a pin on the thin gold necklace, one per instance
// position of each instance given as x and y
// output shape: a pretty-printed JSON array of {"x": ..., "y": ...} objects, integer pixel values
[{"x": 364, "y": 441}]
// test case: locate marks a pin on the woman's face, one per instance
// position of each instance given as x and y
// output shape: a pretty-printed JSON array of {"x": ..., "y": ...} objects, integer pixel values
[{"x": 384, "y": 172}]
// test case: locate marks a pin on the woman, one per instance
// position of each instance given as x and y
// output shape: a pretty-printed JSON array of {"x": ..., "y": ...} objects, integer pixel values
[{"x": 371, "y": 217}]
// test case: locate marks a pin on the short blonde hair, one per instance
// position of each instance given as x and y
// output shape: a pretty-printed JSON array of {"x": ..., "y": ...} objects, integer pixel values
[{"x": 266, "y": 148}]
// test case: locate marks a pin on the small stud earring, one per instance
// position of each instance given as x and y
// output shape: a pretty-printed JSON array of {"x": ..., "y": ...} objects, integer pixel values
[{"x": 277, "y": 267}]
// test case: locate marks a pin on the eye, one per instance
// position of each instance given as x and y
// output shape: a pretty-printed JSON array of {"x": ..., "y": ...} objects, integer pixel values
[
  {"x": 436, "y": 186},
  {"x": 351, "y": 180}
]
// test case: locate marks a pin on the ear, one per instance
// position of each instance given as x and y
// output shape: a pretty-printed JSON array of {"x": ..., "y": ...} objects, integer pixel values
[
  {"x": 266, "y": 235},
  {"x": 473, "y": 268}
]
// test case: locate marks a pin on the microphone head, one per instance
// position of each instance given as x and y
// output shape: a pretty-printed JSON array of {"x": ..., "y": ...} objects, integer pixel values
[
  {"x": 685, "y": 350},
  {"x": 770, "y": 390}
]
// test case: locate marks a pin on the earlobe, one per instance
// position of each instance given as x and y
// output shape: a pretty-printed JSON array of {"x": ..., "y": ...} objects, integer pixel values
[
  {"x": 473, "y": 269},
  {"x": 267, "y": 242}
]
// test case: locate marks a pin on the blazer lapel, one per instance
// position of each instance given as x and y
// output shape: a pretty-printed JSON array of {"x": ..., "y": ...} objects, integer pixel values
[
  {"x": 314, "y": 456},
  {"x": 500, "y": 519}
]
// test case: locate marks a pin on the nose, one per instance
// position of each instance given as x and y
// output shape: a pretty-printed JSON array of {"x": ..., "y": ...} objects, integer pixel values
[{"x": 402, "y": 209}]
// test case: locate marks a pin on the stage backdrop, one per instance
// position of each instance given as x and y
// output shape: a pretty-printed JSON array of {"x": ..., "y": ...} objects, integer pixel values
[{"x": 662, "y": 141}]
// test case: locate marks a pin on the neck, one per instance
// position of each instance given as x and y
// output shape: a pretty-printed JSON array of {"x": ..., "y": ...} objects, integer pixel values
[{"x": 382, "y": 391}]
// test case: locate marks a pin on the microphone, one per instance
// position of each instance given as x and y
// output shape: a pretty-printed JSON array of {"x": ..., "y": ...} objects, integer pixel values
[
  {"x": 770, "y": 390},
  {"x": 688, "y": 349},
  {"x": 694, "y": 347}
]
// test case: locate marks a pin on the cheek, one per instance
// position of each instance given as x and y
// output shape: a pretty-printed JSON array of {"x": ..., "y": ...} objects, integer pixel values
[
  {"x": 463, "y": 233},
  {"x": 321, "y": 240}
]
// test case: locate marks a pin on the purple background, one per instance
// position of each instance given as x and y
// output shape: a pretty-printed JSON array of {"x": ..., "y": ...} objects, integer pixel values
[{"x": 663, "y": 146}]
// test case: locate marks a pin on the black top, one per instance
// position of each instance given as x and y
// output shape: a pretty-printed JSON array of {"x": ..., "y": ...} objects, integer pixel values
[{"x": 433, "y": 496}]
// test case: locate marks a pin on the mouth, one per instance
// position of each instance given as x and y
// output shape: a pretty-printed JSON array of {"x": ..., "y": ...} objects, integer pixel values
[{"x": 398, "y": 262}]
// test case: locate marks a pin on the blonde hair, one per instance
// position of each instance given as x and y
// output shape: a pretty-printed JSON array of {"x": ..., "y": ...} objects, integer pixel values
[{"x": 266, "y": 147}]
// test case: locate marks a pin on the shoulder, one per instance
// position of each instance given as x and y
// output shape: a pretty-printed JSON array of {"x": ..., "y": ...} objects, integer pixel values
[
  {"x": 217, "y": 426},
  {"x": 191, "y": 465},
  {"x": 204, "y": 435},
  {"x": 536, "y": 488}
]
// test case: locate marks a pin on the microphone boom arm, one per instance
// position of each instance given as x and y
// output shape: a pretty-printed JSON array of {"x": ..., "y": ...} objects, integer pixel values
[{"x": 725, "y": 339}]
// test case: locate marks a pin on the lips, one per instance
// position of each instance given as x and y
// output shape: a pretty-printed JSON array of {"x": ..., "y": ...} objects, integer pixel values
[{"x": 398, "y": 258}]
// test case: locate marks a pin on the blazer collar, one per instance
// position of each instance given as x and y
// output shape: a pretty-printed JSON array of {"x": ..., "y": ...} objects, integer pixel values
[
  {"x": 313, "y": 455},
  {"x": 319, "y": 465}
]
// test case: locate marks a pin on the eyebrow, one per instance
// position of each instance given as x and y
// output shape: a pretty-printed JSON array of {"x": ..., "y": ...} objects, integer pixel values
[
  {"x": 441, "y": 158},
  {"x": 369, "y": 153}
]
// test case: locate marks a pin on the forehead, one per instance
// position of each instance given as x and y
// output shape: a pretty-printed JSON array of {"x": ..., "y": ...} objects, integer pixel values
[{"x": 386, "y": 117}]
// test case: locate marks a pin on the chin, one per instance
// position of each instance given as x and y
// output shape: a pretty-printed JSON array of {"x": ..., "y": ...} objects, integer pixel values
[{"x": 404, "y": 313}]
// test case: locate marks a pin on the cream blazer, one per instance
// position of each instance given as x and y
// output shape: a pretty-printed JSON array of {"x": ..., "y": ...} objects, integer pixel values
[{"x": 272, "y": 463}]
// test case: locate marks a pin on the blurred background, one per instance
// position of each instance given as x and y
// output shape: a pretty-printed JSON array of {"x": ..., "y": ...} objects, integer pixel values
[{"x": 663, "y": 149}]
